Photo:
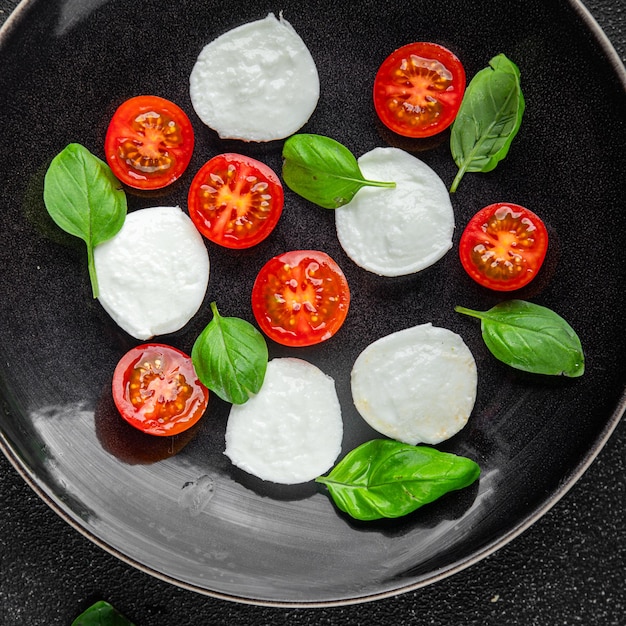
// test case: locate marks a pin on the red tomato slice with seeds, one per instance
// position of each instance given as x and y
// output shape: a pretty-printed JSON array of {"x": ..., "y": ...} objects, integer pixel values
[
  {"x": 418, "y": 89},
  {"x": 503, "y": 246},
  {"x": 300, "y": 298},
  {"x": 149, "y": 142},
  {"x": 156, "y": 390},
  {"x": 235, "y": 201}
]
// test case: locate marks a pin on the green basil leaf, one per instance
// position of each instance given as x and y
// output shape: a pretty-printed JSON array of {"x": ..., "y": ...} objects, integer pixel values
[
  {"x": 101, "y": 614},
  {"x": 531, "y": 338},
  {"x": 230, "y": 357},
  {"x": 385, "y": 478},
  {"x": 323, "y": 171},
  {"x": 489, "y": 118},
  {"x": 84, "y": 198}
]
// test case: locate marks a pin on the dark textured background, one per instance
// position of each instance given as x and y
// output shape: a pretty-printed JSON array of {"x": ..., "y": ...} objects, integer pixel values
[{"x": 569, "y": 568}]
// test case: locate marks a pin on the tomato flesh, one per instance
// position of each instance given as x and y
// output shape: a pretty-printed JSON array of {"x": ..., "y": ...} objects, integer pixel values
[
  {"x": 149, "y": 142},
  {"x": 300, "y": 298},
  {"x": 503, "y": 246},
  {"x": 235, "y": 201},
  {"x": 418, "y": 89},
  {"x": 156, "y": 389}
]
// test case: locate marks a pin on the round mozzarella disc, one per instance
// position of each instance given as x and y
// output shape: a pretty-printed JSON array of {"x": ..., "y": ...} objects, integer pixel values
[
  {"x": 257, "y": 82},
  {"x": 401, "y": 230},
  {"x": 291, "y": 431},
  {"x": 416, "y": 385},
  {"x": 154, "y": 273}
]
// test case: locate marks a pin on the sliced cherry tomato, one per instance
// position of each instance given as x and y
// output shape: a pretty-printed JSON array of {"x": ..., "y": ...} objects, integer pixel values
[
  {"x": 156, "y": 389},
  {"x": 235, "y": 201},
  {"x": 503, "y": 246},
  {"x": 418, "y": 89},
  {"x": 300, "y": 298},
  {"x": 149, "y": 142}
]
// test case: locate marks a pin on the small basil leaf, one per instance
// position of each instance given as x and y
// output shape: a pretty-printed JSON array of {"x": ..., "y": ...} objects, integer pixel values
[
  {"x": 230, "y": 358},
  {"x": 489, "y": 118},
  {"x": 101, "y": 614},
  {"x": 84, "y": 198},
  {"x": 385, "y": 478},
  {"x": 531, "y": 338},
  {"x": 323, "y": 171}
]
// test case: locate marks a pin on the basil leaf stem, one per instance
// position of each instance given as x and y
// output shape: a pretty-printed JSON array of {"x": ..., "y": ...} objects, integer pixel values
[
  {"x": 84, "y": 199},
  {"x": 488, "y": 120},
  {"x": 531, "y": 338},
  {"x": 323, "y": 171},
  {"x": 230, "y": 357},
  {"x": 385, "y": 478}
]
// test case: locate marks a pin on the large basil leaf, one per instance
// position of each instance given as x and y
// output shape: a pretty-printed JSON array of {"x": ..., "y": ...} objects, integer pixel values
[
  {"x": 323, "y": 171},
  {"x": 230, "y": 357},
  {"x": 489, "y": 118},
  {"x": 84, "y": 198},
  {"x": 101, "y": 614},
  {"x": 531, "y": 338},
  {"x": 385, "y": 478}
]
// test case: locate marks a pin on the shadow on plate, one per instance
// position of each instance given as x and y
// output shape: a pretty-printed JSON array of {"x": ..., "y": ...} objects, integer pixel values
[{"x": 130, "y": 445}]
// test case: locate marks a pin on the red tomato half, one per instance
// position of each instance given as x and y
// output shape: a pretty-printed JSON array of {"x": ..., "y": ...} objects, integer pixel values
[
  {"x": 503, "y": 246},
  {"x": 149, "y": 142},
  {"x": 155, "y": 388},
  {"x": 418, "y": 89},
  {"x": 235, "y": 201},
  {"x": 300, "y": 298}
]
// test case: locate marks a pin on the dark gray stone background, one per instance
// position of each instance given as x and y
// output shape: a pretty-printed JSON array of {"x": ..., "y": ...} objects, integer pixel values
[{"x": 567, "y": 569}]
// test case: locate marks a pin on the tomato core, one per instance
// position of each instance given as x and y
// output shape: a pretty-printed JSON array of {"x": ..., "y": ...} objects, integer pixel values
[
  {"x": 300, "y": 298},
  {"x": 160, "y": 394},
  {"x": 148, "y": 152},
  {"x": 503, "y": 246}
]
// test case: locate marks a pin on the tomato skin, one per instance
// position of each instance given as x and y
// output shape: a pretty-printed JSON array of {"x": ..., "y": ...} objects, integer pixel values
[
  {"x": 235, "y": 201},
  {"x": 503, "y": 246},
  {"x": 300, "y": 298},
  {"x": 418, "y": 89},
  {"x": 164, "y": 397},
  {"x": 149, "y": 142}
]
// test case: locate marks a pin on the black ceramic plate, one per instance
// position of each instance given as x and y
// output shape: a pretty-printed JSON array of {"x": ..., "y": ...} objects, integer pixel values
[{"x": 192, "y": 518}]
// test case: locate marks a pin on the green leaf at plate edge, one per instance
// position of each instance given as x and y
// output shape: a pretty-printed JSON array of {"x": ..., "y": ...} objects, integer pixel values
[{"x": 101, "y": 613}]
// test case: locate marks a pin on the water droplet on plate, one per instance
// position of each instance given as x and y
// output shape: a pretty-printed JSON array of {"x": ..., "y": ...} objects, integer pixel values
[{"x": 196, "y": 494}]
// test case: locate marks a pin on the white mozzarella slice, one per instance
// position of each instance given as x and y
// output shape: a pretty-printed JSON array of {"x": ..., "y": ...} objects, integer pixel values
[
  {"x": 153, "y": 274},
  {"x": 291, "y": 431},
  {"x": 257, "y": 82},
  {"x": 416, "y": 385},
  {"x": 401, "y": 230}
]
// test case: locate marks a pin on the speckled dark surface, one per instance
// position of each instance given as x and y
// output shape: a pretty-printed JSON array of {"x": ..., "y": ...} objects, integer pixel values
[{"x": 568, "y": 568}]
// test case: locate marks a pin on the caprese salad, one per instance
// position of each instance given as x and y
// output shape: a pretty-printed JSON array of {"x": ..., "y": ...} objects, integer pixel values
[{"x": 393, "y": 216}]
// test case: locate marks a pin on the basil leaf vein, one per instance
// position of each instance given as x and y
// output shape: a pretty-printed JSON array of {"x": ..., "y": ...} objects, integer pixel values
[
  {"x": 85, "y": 199},
  {"x": 531, "y": 338},
  {"x": 230, "y": 357},
  {"x": 488, "y": 120},
  {"x": 323, "y": 170},
  {"x": 383, "y": 478}
]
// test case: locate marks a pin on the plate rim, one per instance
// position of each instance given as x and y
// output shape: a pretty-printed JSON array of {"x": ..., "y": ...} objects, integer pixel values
[{"x": 41, "y": 490}]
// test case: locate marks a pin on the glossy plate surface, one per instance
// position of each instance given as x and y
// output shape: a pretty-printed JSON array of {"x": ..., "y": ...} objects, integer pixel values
[{"x": 191, "y": 517}]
